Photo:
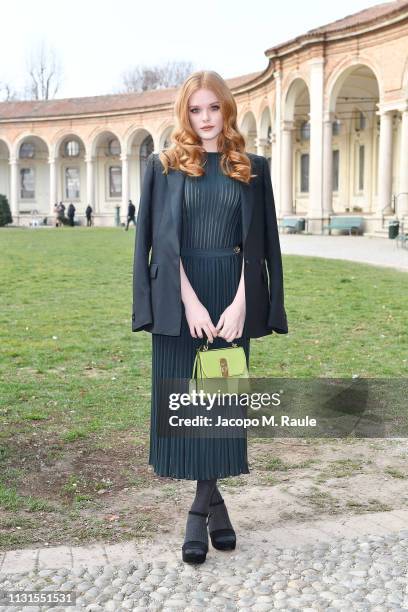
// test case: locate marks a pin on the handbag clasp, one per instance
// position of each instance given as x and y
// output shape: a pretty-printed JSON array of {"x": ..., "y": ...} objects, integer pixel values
[{"x": 224, "y": 367}]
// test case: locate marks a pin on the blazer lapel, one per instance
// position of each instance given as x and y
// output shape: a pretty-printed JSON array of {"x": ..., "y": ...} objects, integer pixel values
[{"x": 175, "y": 182}]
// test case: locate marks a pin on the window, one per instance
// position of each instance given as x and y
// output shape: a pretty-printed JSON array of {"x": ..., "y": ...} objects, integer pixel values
[
  {"x": 72, "y": 183},
  {"x": 361, "y": 167},
  {"x": 115, "y": 181},
  {"x": 27, "y": 150},
  {"x": 114, "y": 147},
  {"x": 361, "y": 121},
  {"x": 27, "y": 182},
  {"x": 305, "y": 130},
  {"x": 304, "y": 172},
  {"x": 336, "y": 159},
  {"x": 72, "y": 148},
  {"x": 336, "y": 125}
]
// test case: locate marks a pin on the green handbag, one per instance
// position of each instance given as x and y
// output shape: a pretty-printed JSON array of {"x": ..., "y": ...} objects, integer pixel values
[{"x": 223, "y": 370}]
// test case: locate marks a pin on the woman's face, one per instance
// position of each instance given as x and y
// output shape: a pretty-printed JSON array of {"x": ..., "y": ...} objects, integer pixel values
[{"x": 205, "y": 110}]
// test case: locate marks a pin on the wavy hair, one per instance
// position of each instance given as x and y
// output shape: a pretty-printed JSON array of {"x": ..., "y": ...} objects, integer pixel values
[{"x": 187, "y": 152}]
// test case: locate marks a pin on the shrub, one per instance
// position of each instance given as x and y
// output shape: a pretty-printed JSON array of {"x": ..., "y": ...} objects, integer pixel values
[{"x": 5, "y": 213}]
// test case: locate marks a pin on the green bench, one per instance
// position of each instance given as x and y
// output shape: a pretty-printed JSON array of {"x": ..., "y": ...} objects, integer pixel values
[
  {"x": 292, "y": 224},
  {"x": 345, "y": 224}
]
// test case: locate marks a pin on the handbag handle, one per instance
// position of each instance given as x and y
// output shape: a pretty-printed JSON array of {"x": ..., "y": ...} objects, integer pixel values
[{"x": 204, "y": 347}]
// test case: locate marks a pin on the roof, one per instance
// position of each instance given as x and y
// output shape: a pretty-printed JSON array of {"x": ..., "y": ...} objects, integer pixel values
[
  {"x": 105, "y": 104},
  {"x": 378, "y": 13},
  {"x": 366, "y": 15}
]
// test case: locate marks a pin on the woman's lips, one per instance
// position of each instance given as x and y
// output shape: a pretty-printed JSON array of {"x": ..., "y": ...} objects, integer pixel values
[{"x": 207, "y": 127}]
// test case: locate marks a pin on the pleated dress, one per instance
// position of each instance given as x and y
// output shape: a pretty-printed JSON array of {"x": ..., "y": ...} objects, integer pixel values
[{"x": 211, "y": 220}]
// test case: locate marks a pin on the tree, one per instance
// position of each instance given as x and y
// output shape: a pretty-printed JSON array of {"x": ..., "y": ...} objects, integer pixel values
[
  {"x": 5, "y": 213},
  {"x": 44, "y": 74},
  {"x": 143, "y": 78},
  {"x": 7, "y": 93}
]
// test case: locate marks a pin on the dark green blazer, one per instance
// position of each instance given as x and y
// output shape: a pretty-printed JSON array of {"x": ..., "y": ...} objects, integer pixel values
[{"x": 157, "y": 304}]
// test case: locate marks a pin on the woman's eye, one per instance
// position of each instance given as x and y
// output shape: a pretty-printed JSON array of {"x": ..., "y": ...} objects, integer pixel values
[{"x": 193, "y": 110}]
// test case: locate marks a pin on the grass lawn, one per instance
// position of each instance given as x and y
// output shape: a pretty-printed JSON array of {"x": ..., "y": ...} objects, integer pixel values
[{"x": 75, "y": 381}]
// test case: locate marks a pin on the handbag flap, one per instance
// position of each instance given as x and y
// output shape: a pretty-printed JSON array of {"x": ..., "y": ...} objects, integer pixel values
[{"x": 214, "y": 362}]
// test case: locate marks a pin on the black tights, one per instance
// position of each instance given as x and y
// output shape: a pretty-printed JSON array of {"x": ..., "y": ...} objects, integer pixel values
[{"x": 204, "y": 491}]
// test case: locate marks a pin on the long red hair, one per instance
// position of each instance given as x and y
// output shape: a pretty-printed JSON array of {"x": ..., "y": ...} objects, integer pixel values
[{"x": 187, "y": 152}]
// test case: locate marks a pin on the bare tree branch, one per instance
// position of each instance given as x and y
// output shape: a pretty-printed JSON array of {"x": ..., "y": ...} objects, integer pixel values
[
  {"x": 44, "y": 71},
  {"x": 7, "y": 92},
  {"x": 143, "y": 78}
]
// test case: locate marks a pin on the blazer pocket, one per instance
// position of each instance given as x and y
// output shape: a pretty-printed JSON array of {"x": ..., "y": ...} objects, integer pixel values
[{"x": 153, "y": 270}]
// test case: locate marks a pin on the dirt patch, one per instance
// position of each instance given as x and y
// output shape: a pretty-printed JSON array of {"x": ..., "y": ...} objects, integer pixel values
[{"x": 102, "y": 489}]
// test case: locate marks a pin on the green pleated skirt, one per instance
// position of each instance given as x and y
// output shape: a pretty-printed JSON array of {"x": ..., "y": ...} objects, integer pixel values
[{"x": 215, "y": 280}]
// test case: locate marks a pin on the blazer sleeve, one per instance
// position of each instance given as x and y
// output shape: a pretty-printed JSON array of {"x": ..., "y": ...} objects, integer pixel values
[
  {"x": 277, "y": 316},
  {"x": 142, "y": 317}
]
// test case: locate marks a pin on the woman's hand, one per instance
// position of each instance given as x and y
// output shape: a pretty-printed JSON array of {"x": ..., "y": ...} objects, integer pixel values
[
  {"x": 197, "y": 315},
  {"x": 231, "y": 321},
  {"x": 199, "y": 320}
]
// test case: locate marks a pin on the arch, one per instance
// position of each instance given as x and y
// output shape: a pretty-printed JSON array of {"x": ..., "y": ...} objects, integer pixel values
[
  {"x": 95, "y": 136},
  {"x": 248, "y": 121},
  {"x": 7, "y": 144},
  {"x": 341, "y": 73},
  {"x": 249, "y": 130},
  {"x": 165, "y": 135},
  {"x": 140, "y": 132},
  {"x": 297, "y": 89},
  {"x": 20, "y": 139},
  {"x": 290, "y": 79},
  {"x": 59, "y": 138},
  {"x": 265, "y": 121}
]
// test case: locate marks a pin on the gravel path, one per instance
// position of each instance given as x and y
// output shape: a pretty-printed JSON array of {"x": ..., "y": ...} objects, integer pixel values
[
  {"x": 375, "y": 251},
  {"x": 358, "y": 563}
]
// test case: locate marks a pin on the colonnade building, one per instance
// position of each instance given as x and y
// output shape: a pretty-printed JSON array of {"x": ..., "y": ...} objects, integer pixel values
[{"x": 329, "y": 112}]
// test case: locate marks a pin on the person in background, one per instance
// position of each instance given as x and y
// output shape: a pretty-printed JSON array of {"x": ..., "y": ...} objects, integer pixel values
[
  {"x": 71, "y": 214},
  {"x": 131, "y": 214},
  {"x": 61, "y": 214},
  {"x": 56, "y": 221},
  {"x": 88, "y": 213}
]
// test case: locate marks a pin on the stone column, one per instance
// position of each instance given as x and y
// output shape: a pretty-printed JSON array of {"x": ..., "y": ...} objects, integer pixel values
[
  {"x": 385, "y": 164},
  {"x": 125, "y": 183},
  {"x": 327, "y": 165},
  {"x": 90, "y": 183},
  {"x": 286, "y": 182},
  {"x": 262, "y": 147},
  {"x": 274, "y": 157},
  {"x": 53, "y": 184},
  {"x": 277, "y": 149},
  {"x": 14, "y": 188},
  {"x": 402, "y": 201},
  {"x": 316, "y": 138}
]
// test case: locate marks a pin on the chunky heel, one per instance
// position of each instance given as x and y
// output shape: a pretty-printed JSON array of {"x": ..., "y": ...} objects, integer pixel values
[
  {"x": 195, "y": 551},
  {"x": 222, "y": 539}
]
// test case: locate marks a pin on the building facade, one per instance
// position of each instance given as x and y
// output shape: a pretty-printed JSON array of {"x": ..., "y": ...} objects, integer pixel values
[{"x": 330, "y": 113}]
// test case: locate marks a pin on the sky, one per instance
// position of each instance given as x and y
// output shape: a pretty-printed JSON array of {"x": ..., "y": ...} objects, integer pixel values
[{"x": 97, "y": 40}]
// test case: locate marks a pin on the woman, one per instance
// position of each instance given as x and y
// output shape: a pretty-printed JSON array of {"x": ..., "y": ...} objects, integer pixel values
[{"x": 201, "y": 207}]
